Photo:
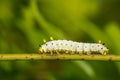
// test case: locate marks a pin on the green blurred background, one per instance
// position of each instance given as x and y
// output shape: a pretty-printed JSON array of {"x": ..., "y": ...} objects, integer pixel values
[{"x": 25, "y": 23}]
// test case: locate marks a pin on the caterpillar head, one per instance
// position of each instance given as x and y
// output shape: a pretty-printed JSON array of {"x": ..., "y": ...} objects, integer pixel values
[{"x": 102, "y": 49}]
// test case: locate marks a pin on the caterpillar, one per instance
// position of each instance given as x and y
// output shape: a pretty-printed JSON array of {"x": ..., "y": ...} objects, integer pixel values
[{"x": 68, "y": 46}]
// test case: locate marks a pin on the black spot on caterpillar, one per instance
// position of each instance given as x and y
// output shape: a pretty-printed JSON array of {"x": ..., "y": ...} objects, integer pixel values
[{"x": 67, "y": 46}]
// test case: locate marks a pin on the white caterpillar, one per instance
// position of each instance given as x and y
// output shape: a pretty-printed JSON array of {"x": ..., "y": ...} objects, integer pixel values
[{"x": 65, "y": 46}]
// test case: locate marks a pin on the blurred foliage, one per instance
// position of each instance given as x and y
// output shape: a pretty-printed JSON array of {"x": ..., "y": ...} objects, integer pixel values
[{"x": 24, "y": 24}]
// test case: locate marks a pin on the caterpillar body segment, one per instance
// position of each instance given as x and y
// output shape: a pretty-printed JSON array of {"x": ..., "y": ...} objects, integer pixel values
[{"x": 67, "y": 46}]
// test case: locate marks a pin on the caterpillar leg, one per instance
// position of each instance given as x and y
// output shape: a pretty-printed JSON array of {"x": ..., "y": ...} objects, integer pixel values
[
  {"x": 51, "y": 52},
  {"x": 66, "y": 52},
  {"x": 57, "y": 52},
  {"x": 88, "y": 53},
  {"x": 40, "y": 50},
  {"x": 104, "y": 53},
  {"x": 70, "y": 52},
  {"x": 80, "y": 52}
]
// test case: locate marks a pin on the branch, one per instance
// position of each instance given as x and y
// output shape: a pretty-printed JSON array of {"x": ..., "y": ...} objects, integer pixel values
[{"x": 59, "y": 57}]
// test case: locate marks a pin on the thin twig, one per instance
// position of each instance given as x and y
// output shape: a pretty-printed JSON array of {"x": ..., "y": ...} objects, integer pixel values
[{"x": 59, "y": 57}]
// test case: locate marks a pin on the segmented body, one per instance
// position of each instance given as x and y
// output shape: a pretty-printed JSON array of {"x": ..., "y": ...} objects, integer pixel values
[{"x": 67, "y": 46}]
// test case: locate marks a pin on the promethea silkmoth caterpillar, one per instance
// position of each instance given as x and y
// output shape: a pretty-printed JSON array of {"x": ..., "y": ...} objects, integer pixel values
[{"x": 67, "y": 46}]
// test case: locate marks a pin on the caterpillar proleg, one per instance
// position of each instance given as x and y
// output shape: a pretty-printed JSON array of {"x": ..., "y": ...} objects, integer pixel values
[{"x": 68, "y": 46}]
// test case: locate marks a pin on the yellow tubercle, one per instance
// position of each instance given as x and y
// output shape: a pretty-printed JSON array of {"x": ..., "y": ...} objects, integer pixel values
[
  {"x": 99, "y": 41},
  {"x": 44, "y": 40},
  {"x": 51, "y": 38}
]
